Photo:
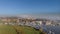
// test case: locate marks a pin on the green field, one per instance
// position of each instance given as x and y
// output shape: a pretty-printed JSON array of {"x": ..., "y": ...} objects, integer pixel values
[
  {"x": 8, "y": 29},
  {"x": 26, "y": 30}
]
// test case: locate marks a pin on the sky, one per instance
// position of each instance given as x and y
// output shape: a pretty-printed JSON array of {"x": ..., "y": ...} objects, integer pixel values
[{"x": 37, "y": 7}]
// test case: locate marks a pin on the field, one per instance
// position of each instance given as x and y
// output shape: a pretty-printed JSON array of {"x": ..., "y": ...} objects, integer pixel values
[
  {"x": 8, "y": 29},
  {"x": 26, "y": 30}
]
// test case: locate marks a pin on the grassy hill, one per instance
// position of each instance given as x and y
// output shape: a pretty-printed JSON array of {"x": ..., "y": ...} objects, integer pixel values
[
  {"x": 26, "y": 30},
  {"x": 9, "y": 29},
  {"x": 6, "y": 29}
]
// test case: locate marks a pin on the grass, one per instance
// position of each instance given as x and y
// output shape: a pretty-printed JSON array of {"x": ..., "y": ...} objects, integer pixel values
[
  {"x": 26, "y": 30},
  {"x": 6, "y": 29},
  {"x": 9, "y": 29}
]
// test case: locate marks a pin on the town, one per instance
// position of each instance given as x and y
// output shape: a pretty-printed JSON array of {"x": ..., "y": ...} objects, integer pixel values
[{"x": 27, "y": 21}]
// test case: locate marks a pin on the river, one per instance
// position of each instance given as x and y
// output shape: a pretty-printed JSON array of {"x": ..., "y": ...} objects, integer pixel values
[{"x": 55, "y": 29}]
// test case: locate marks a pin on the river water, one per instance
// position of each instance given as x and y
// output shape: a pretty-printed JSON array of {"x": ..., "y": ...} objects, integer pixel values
[{"x": 55, "y": 29}]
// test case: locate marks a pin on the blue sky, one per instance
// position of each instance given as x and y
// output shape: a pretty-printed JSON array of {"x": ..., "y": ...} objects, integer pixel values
[{"x": 14, "y": 7}]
